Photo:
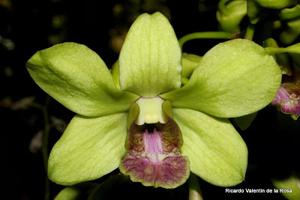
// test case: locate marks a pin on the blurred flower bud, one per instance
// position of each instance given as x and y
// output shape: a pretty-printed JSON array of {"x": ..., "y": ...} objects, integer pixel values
[
  {"x": 276, "y": 4},
  {"x": 253, "y": 10},
  {"x": 231, "y": 13},
  {"x": 290, "y": 13},
  {"x": 292, "y": 32}
]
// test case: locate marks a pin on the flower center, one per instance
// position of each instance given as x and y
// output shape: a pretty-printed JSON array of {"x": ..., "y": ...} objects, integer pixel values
[{"x": 153, "y": 155}]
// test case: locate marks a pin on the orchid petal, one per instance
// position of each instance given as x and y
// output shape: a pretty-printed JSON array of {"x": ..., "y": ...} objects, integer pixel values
[
  {"x": 88, "y": 149},
  {"x": 216, "y": 151},
  {"x": 234, "y": 78},
  {"x": 77, "y": 77}
]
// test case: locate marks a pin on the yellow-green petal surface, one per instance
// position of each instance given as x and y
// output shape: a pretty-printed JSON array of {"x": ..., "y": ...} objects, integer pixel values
[
  {"x": 233, "y": 79},
  {"x": 77, "y": 77},
  {"x": 150, "y": 57},
  {"x": 88, "y": 149},
  {"x": 216, "y": 151}
]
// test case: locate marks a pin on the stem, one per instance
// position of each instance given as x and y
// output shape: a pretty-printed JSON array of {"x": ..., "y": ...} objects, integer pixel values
[
  {"x": 290, "y": 49},
  {"x": 194, "y": 188},
  {"x": 44, "y": 109},
  {"x": 204, "y": 35},
  {"x": 45, "y": 147},
  {"x": 275, "y": 50},
  {"x": 249, "y": 32},
  {"x": 45, "y": 137}
]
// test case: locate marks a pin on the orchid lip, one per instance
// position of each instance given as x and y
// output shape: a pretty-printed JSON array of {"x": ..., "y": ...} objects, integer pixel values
[
  {"x": 288, "y": 99},
  {"x": 153, "y": 155}
]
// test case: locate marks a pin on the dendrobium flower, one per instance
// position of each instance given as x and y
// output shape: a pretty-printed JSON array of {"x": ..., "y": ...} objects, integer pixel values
[
  {"x": 288, "y": 99},
  {"x": 142, "y": 119}
]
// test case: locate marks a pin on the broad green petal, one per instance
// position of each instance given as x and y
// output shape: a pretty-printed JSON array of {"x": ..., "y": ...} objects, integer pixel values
[
  {"x": 150, "y": 57},
  {"x": 234, "y": 78},
  {"x": 77, "y": 77},
  {"x": 216, "y": 151},
  {"x": 68, "y": 193},
  {"x": 88, "y": 149}
]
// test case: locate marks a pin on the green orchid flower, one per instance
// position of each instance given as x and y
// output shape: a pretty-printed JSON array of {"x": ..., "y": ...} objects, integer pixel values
[{"x": 142, "y": 119}]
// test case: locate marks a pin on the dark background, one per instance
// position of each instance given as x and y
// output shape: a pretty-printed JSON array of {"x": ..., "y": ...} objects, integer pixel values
[{"x": 31, "y": 25}]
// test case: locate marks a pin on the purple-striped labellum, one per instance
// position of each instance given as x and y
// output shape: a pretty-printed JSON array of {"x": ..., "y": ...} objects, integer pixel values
[
  {"x": 288, "y": 99},
  {"x": 153, "y": 155}
]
